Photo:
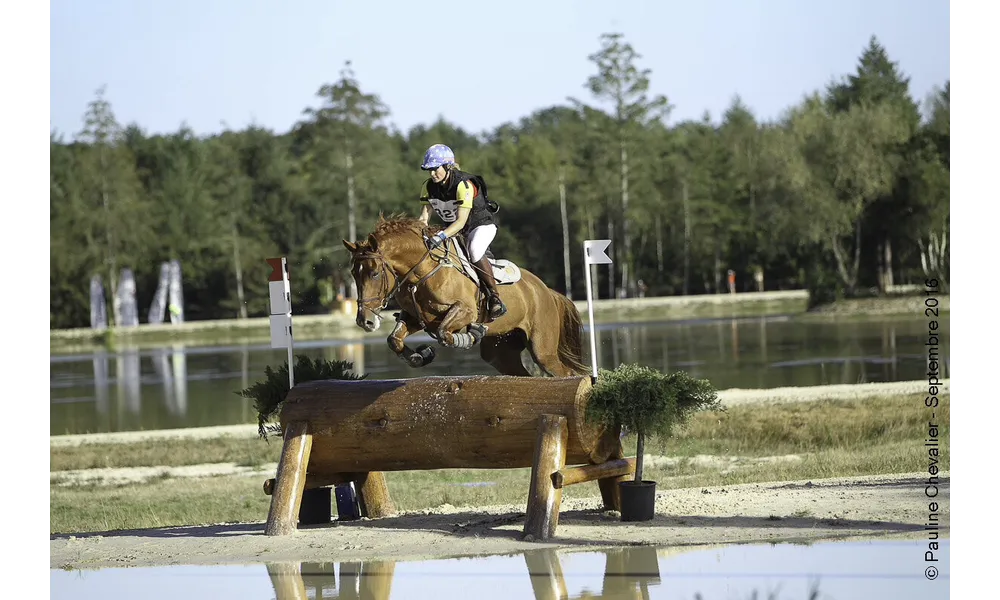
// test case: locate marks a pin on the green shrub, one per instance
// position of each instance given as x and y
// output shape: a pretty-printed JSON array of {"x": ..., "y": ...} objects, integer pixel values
[
  {"x": 271, "y": 392},
  {"x": 648, "y": 402}
]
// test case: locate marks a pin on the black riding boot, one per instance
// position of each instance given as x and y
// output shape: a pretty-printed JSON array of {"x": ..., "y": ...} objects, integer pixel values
[{"x": 495, "y": 306}]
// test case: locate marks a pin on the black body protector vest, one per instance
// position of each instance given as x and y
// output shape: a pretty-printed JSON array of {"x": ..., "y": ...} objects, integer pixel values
[{"x": 443, "y": 198}]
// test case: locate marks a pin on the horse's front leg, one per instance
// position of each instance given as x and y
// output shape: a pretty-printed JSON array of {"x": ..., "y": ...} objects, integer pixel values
[
  {"x": 406, "y": 325},
  {"x": 459, "y": 317}
]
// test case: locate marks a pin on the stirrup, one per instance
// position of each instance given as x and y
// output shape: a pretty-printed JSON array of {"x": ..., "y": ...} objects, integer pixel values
[{"x": 496, "y": 307}]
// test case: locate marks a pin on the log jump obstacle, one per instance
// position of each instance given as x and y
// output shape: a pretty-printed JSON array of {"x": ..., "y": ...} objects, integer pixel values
[{"x": 339, "y": 431}]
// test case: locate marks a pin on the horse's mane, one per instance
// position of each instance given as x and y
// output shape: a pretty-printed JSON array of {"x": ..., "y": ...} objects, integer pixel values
[{"x": 400, "y": 223}]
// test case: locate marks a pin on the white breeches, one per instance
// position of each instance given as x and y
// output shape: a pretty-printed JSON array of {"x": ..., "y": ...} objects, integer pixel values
[{"x": 479, "y": 240}]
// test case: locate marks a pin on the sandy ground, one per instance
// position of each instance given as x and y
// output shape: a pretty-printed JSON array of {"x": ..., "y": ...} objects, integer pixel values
[
  {"x": 890, "y": 505},
  {"x": 802, "y": 511}
]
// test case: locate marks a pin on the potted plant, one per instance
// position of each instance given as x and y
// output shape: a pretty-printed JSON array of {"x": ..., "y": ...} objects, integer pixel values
[{"x": 649, "y": 403}]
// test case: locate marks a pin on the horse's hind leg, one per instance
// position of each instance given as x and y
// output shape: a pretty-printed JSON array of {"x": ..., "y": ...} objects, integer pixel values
[
  {"x": 544, "y": 349},
  {"x": 504, "y": 353}
]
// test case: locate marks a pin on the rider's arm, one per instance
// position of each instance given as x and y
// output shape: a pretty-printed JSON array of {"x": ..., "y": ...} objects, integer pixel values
[
  {"x": 425, "y": 209},
  {"x": 466, "y": 192}
]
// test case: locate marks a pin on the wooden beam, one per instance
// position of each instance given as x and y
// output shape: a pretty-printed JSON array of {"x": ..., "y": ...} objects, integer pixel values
[{"x": 611, "y": 468}]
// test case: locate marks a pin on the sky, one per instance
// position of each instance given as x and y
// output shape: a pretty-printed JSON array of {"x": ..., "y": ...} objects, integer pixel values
[{"x": 230, "y": 63}]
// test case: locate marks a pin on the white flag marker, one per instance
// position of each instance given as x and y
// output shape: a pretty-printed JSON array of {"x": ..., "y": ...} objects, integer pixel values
[
  {"x": 594, "y": 253},
  {"x": 281, "y": 310}
]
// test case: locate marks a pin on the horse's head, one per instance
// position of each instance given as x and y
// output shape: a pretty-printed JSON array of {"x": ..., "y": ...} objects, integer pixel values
[
  {"x": 374, "y": 278},
  {"x": 379, "y": 263}
]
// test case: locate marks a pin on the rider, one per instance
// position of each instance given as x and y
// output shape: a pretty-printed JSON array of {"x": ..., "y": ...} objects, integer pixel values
[{"x": 459, "y": 199}]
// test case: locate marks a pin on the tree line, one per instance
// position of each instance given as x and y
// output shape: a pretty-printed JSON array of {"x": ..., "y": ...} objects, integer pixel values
[{"x": 845, "y": 194}]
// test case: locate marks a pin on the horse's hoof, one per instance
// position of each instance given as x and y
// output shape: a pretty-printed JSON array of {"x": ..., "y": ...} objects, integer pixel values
[{"x": 422, "y": 357}]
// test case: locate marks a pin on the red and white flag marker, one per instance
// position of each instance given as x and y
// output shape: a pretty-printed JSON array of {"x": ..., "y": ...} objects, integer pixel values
[
  {"x": 595, "y": 252},
  {"x": 281, "y": 310}
]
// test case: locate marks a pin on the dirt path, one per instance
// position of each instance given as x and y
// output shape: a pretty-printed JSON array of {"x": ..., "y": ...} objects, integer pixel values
[{"x": 891, "y": 505}]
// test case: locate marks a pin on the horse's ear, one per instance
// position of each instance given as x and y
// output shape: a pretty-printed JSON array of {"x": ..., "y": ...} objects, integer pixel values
[
  {"x": 351, "y": 246},
  {"x": 372, "y": 242}
]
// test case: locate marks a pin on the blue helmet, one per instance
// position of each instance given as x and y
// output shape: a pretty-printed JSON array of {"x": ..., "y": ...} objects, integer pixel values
[{"x": 436, "y": 156}]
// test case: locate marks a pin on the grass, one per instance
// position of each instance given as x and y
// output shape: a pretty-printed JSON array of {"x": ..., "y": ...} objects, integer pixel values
[
  {"x": 878, "y": 307},
  {"x": 834, "y": 438},
  {"x": 169, "y": 453}
]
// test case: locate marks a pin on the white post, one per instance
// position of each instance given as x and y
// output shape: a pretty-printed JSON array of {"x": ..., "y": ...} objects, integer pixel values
[
  {"x": 281, "y": 311},
  {"x": 594, "y": 253}
]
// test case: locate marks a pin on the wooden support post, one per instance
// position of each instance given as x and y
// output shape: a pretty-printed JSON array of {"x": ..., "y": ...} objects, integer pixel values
[
  {"x": 376, "y": 579},
  {"x": 543, "y": 498},
  {"x": 286, "y": 499},
  {"x": 611, "y": 468},
  {"x": 610, "y": 493},
  {"x": 546, "y": 574},
  {"x": 373, "y": 495},
  {"x": 286, "y": 578}
]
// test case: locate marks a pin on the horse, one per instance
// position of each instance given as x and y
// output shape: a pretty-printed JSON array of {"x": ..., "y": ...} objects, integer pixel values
[{"x": 437, "y": 293}]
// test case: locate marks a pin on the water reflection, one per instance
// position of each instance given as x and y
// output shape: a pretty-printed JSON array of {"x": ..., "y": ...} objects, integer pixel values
[
  {"x": 834, "y": 569},
  {"x": 628, "y": 573},
  {"x": 176, "y": 386}
]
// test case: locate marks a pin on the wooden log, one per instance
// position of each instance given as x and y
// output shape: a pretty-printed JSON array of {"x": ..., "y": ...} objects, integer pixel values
[
  {"x": 542, "y": 516},
  {"x": 611, "y": 468},
  {"x": 545, "y": 570},
  {"x": 610, "y": 493},
  {"x": 376, "y": 579},
  {"x": 465, "y": 422},
  {"x": 373, "y": 495},
  {"x": 291, "y": 479},
  {"x": 609, "y": 445},
  {"x": 286, "y": 578}
]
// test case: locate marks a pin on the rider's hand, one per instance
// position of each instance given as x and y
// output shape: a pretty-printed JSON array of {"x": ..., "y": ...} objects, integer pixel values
[{"x": 436, "y": 240}]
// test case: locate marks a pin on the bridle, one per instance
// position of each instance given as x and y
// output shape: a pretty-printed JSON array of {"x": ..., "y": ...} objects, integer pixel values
[{"x": 385, "y": 269}]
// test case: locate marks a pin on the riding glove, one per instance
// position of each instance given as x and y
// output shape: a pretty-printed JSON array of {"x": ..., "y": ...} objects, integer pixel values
[{"x": 437, "y": 240}]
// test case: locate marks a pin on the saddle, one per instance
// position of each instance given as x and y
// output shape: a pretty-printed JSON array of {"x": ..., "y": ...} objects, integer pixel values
[{"x": 505, "y": 272}]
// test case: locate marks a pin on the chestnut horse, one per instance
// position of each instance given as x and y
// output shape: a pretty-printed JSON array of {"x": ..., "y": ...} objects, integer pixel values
[{"x": 436, "y": 296}]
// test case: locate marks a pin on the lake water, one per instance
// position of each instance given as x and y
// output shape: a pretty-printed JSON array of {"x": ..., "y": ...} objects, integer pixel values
[
  {"x": 180, "y": 387},
  {"x": 876, "y": 569}
]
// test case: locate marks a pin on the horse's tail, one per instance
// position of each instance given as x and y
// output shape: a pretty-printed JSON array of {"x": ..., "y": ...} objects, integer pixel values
[{"x": 571, "y": 335}]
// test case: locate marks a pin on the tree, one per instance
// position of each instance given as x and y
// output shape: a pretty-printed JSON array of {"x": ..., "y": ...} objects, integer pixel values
[
  {"x": 840, "y": 166},
  {"x": 879, "y": 82},
  {"x": 625, "y": 87},
  {"x": 110, "y": 185},
  {"x": 346, "y": 129}
]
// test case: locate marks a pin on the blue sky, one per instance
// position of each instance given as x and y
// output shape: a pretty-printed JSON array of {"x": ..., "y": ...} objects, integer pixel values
[{"x": 237, "y": 62}]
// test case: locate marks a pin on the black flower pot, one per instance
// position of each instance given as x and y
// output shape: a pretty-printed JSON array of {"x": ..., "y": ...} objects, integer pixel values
[
  {"x": 316, "y": 506},
  {"x": 638, "y": 500}
]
